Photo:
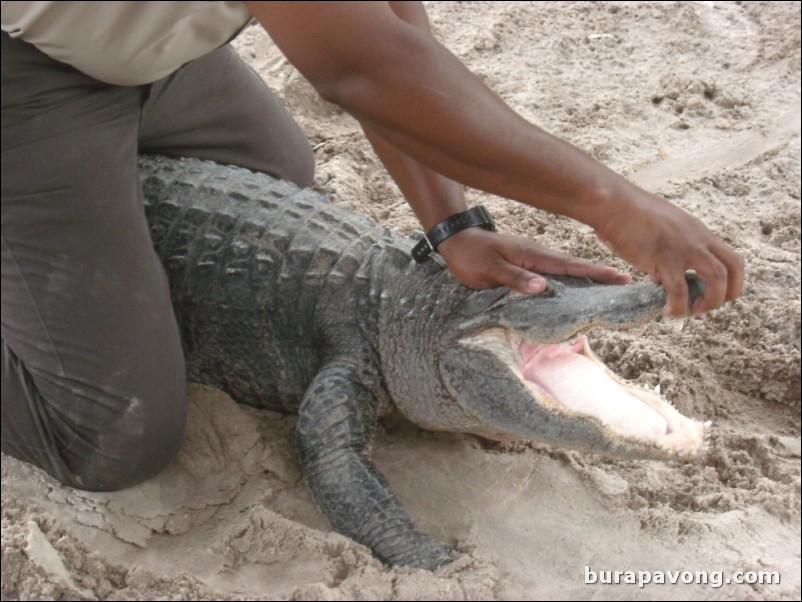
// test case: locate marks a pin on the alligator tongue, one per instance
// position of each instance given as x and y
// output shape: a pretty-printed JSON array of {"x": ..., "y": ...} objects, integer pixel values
[{"x": 567, "y": 374}]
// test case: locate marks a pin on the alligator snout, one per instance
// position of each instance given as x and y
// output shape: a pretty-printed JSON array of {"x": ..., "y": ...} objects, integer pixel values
[{"x": 520, "y": 369}]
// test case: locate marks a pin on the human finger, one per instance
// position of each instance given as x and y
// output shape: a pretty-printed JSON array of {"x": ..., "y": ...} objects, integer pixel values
[
  {"x": 734, "y": 262},
  {"x": 715, "y": 276},
  {"x": 673, "y": 280},
  {"x": 519, "y": 279},
  {"x": 543, "y": 260},
  {"x": 604, "y": 274}
]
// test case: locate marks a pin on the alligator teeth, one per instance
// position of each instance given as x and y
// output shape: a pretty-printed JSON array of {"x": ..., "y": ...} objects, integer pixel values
[{"x": 706, "y": 434}]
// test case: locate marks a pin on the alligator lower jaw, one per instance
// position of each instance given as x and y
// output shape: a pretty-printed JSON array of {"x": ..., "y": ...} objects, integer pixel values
[{"x": 569, "y": 379}]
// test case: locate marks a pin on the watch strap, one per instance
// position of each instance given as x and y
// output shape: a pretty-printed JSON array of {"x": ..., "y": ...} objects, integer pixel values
[{"x": 475, "y": 216}]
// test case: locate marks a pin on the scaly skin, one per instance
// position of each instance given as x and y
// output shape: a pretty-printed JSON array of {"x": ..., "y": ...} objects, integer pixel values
[{"x": 289, "y": 302}]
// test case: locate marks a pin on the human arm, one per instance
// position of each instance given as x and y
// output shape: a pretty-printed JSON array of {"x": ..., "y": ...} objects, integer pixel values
[
  {"x": 477, "y": 258},
  {"x": 411, "y": 93}
]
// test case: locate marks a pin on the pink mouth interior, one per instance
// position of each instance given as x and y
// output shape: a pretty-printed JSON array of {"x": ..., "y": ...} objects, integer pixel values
[{"x": 566, "y": 374}]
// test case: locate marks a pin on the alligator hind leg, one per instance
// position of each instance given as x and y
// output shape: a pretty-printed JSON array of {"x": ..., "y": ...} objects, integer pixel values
[{"x": 335, "y": 425}]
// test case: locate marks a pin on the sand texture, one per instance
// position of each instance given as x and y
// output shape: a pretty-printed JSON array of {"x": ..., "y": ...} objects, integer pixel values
[{"x": 698, "y": 101}]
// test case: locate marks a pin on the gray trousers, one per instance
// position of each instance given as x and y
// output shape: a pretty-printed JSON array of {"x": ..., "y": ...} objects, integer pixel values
[{"x": 93, "y": 388}]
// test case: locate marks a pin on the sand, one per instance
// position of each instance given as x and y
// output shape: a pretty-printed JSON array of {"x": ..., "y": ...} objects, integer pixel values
[{"x": 697, "y": 101}]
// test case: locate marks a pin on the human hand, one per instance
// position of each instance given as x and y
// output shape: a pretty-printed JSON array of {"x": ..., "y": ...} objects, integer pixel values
[
  {"x": 482, "y": 259},
  {"x": 664, "y": 241}
]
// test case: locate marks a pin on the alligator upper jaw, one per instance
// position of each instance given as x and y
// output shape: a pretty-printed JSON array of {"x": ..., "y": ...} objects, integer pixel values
[{"x": 562, "y": 394}]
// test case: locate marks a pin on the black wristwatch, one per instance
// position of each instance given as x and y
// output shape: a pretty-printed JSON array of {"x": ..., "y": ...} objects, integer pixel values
[{"x": 475, "y": 216}]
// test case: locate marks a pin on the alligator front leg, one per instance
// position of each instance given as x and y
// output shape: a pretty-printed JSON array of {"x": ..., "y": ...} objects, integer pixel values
[{"x": 335, "y": 426}]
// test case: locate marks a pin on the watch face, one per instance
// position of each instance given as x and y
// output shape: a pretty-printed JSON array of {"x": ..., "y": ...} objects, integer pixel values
[{"x": 422, "y": 250}]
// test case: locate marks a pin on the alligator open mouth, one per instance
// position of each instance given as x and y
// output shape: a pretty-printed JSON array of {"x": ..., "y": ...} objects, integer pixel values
[{"x": 568, "y": 378}]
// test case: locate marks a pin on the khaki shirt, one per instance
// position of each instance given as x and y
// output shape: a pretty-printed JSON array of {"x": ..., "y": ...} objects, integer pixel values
[{"x": 125, "y": 43}]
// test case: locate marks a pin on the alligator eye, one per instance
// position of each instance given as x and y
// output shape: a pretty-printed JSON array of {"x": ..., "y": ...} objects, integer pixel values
[{"x": 482, "y": 300}]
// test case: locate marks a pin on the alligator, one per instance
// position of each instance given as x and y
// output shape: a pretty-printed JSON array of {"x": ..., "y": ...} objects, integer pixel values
[{"x": 290, "y": 302}]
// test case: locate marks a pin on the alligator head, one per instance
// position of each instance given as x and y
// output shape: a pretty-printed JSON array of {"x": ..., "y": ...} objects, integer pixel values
[{"x": 506, "y": 366}]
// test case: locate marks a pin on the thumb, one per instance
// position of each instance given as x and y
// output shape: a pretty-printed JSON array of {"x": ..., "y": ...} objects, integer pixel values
[{"x": 521, "y": 280}]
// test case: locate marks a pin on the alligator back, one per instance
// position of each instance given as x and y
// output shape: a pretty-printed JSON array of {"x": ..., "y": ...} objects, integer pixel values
[{"x": 259, "y": 270}]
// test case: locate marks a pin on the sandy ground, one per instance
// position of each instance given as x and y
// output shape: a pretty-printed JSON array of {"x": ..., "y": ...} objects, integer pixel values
[{"x": 699, "y": 101}]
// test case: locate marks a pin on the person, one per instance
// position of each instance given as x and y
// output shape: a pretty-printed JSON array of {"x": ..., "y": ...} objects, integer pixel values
[{"x": 93, "y": 387}]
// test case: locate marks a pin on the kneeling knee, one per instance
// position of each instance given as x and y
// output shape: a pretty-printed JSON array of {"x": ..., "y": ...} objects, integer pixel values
[{"x": 137, "y": 447}]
